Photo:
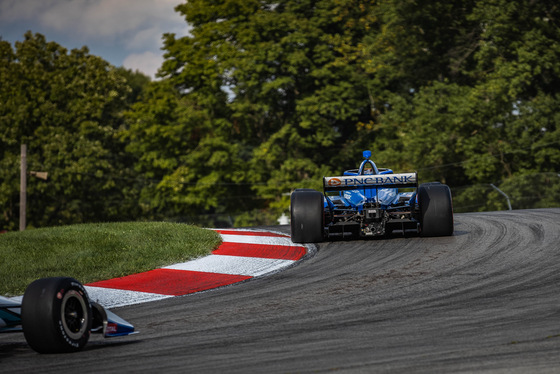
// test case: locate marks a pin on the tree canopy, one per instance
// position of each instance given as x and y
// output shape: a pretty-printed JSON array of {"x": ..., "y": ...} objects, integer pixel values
[
  {"x": 267, "y": 96},
  {"x": 67, "y": 107},
  {"x": 285, "y": 92}
]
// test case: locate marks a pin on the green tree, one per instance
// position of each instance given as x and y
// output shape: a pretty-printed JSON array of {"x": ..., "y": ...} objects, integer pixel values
[
  {"x": 490, "y": 115},
  {"x": 458, "y": 85},
  {"x": 67, "y": 107},
  {"x": 285, "y": 92},
  {"x": 270, "y": 90},
  {"x": 517, "y": 80}
]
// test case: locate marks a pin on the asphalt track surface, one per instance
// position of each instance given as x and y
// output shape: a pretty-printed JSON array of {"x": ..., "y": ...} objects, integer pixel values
[{"x": 484, "y": 300}]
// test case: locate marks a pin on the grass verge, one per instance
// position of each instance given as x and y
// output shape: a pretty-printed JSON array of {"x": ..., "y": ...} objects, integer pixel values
[{"x": 92, "y": 252}]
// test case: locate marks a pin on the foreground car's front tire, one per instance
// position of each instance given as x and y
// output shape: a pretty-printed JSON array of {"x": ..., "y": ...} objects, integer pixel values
[
  {"x": 56, "y": 315},
  {"x": 306, "y": 209},
  {"x": 436, "y": 209}
]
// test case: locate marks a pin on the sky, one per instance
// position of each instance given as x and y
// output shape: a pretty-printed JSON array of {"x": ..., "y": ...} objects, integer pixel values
[{"x": 123, "y": 32}]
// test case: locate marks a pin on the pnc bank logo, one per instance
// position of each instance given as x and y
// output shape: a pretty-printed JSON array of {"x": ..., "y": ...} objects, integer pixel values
[{"x": 334, "y": 182}]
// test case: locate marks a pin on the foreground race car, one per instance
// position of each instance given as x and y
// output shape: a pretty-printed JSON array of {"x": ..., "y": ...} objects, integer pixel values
[
  {"x": 57, "y": 316},
  {"x": 370, "y": 202}
]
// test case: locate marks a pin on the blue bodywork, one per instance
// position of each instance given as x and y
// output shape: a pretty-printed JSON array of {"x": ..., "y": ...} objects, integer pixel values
[
  {"x": 104, "y": 321},
  {"x": 370, "y": 201},
  {"x": 9, "y": 315}
]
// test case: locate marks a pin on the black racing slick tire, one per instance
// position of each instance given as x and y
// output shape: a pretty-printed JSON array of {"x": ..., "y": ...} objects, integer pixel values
[
  {"x": 306, "y": 209},
  {"x": 56, "y": 315},
  {"x": 436, "y": 209}
]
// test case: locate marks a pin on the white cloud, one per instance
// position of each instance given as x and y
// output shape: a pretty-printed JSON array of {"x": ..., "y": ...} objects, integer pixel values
[
  {"x": 146, "y": 62},
  {"x": 18, "y": 10},
  {"x": 124, "y": 30},
  {"x": 145, "y": 37},
  {"x": 121, "y": 20}
]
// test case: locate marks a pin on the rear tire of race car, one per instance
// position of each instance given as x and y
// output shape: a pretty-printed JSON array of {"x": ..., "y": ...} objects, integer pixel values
[
  {"x": 56, "y": 315},
  {"x": 436, "y": 209},
  {"x": 306, "y": 209}
]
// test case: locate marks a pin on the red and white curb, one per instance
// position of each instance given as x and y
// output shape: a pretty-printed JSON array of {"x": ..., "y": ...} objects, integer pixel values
[{"x": 242, "y": 255}]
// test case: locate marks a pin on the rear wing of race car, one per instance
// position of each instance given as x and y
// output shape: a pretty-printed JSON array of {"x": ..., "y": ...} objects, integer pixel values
[{"x": 344, "y": 183}]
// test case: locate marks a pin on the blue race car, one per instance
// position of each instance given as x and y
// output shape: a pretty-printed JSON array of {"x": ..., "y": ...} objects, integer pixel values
[
  {"x": 57, "y": 316},
  {"x": 370, "y": 202}
]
